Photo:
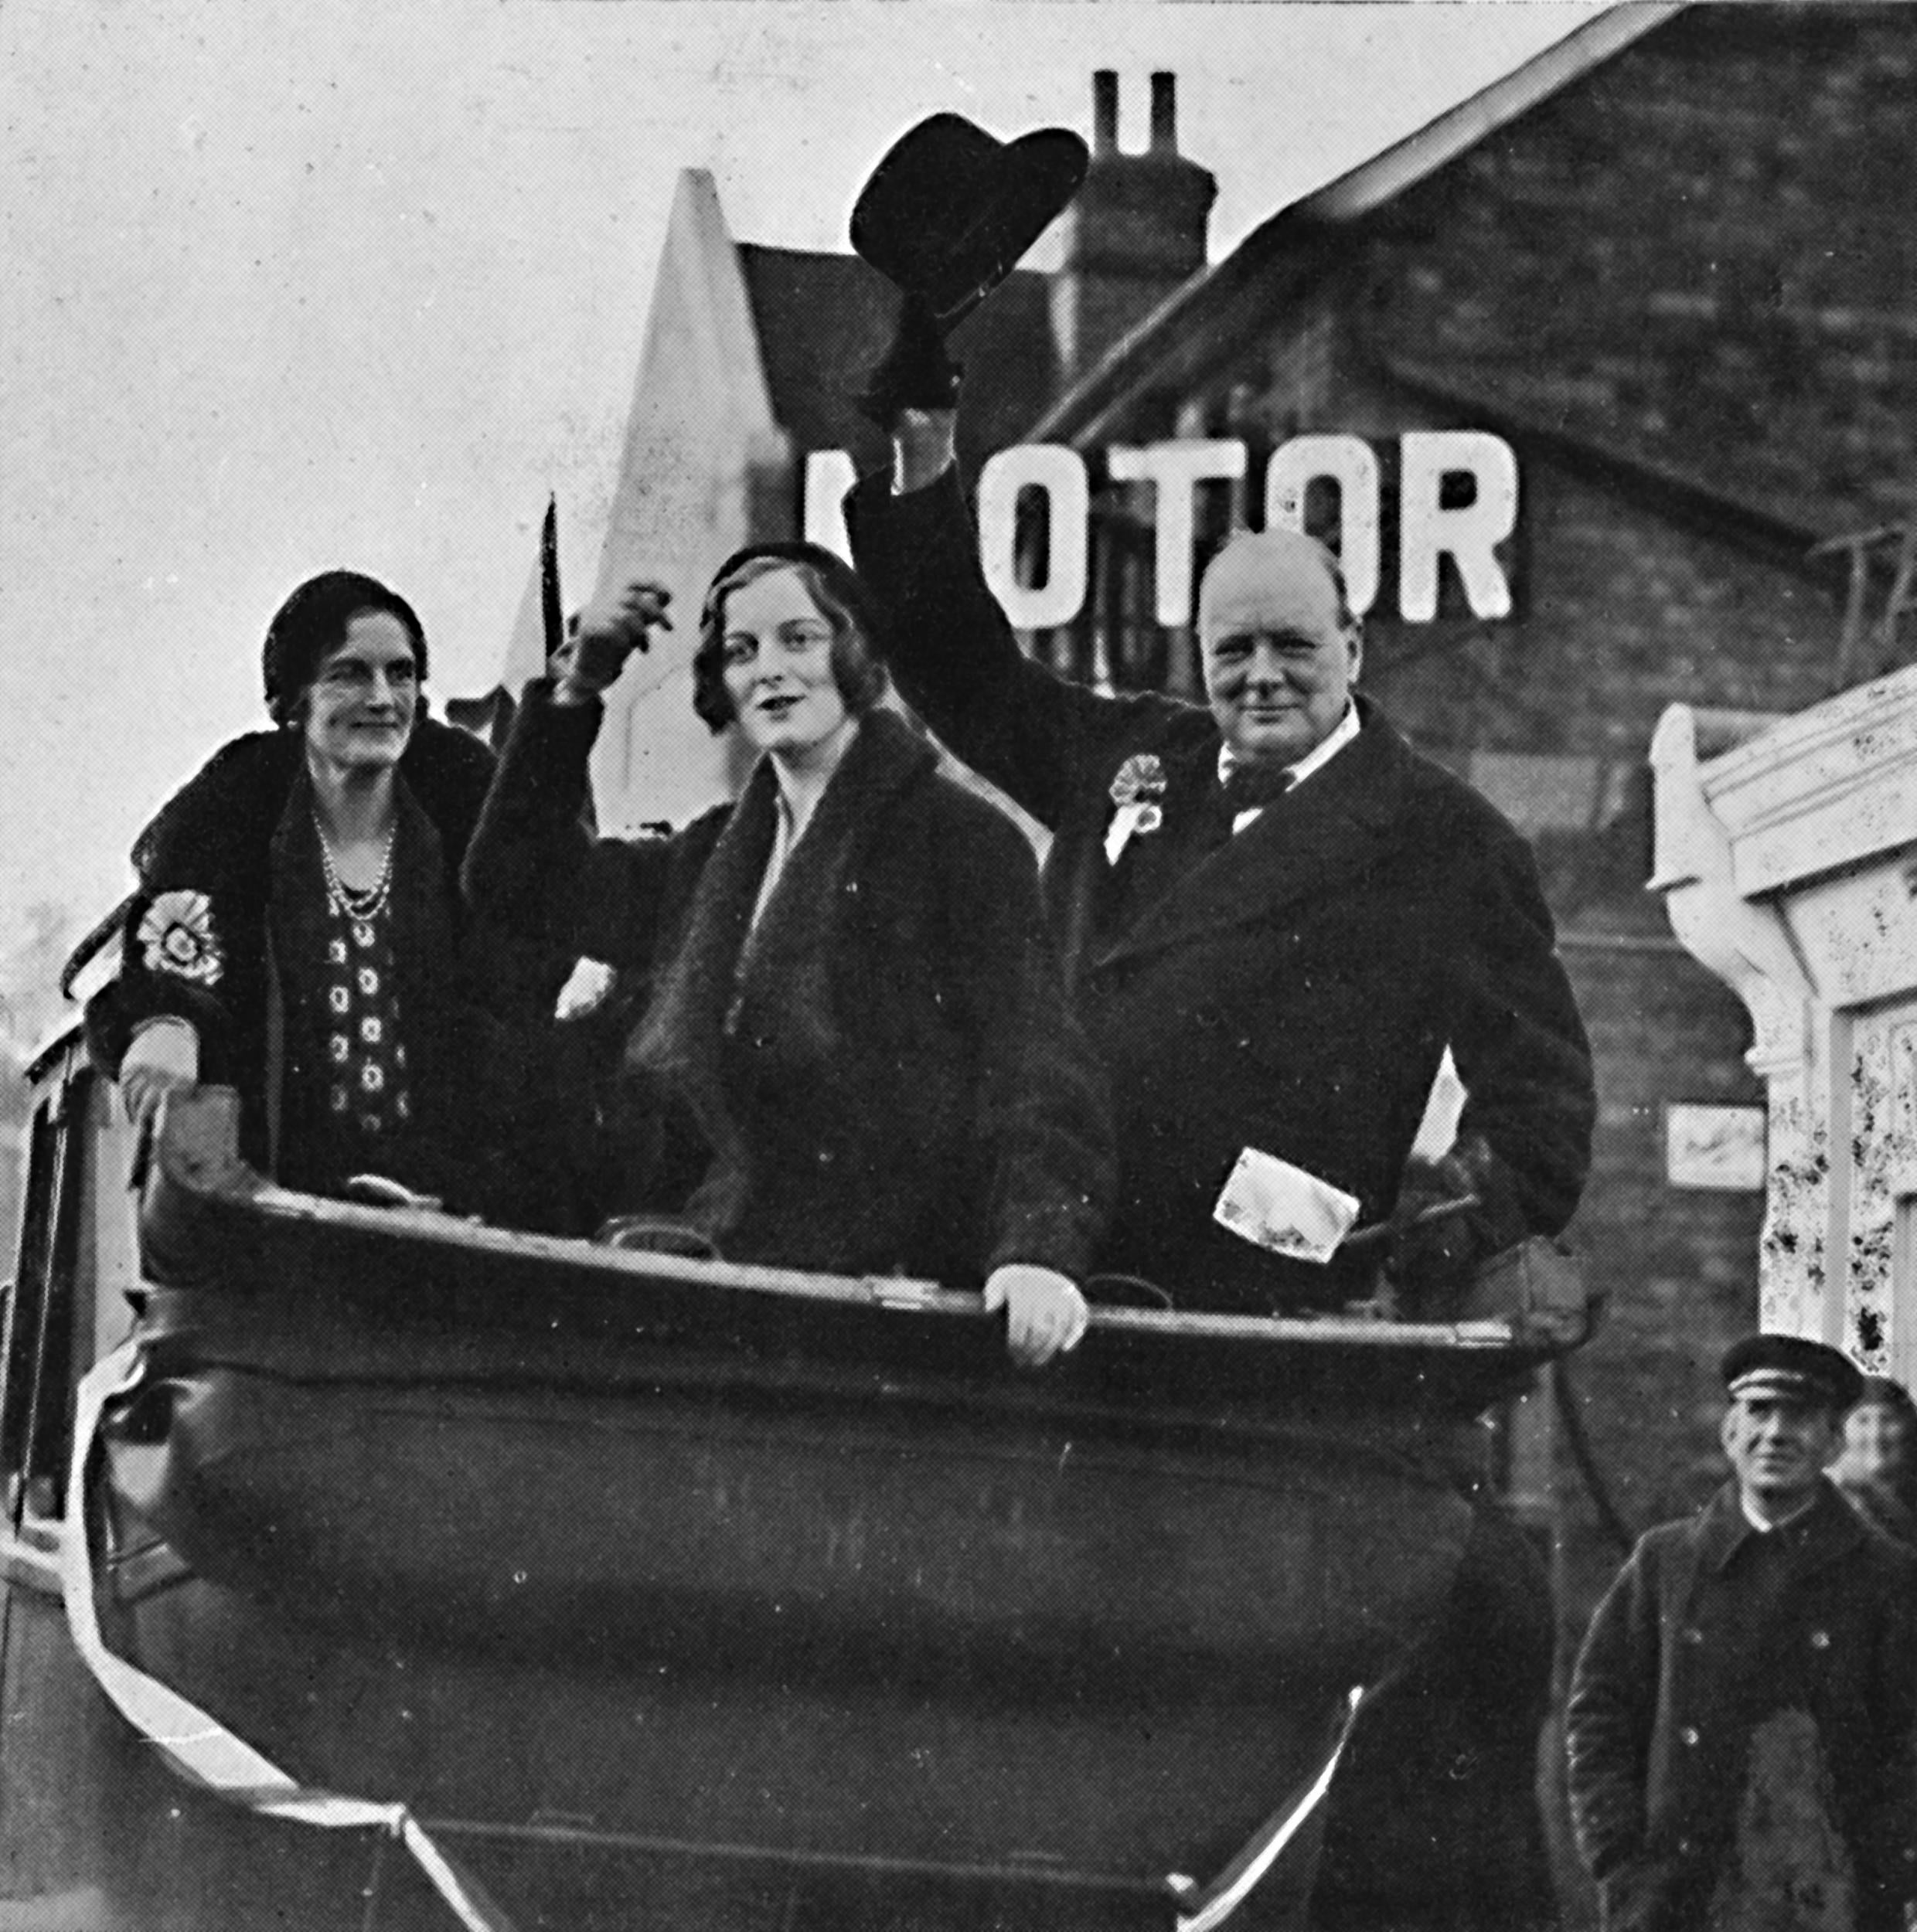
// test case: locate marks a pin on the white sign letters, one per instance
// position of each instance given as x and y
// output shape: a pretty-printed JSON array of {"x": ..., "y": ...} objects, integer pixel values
[{"x": 1467, "y": 525}]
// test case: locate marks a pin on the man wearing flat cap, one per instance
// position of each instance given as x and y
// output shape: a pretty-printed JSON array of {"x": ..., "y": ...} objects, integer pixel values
[{"x": 1742, "y": 1725}]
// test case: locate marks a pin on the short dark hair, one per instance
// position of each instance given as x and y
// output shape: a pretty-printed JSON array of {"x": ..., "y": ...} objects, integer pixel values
[
  {"x": 312, "y": 623},
  {"x": 858, "y": 666}
]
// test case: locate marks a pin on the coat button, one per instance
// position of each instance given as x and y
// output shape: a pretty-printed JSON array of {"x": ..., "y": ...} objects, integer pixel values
[
  {"x": 1689, "y": 1734},
  {"x": 1820, "y": 1640}
]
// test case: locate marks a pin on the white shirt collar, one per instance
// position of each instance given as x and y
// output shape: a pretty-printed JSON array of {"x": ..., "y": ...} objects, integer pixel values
[
  {"x": 1320, "y": 755},
  {"x": 1764, "y": 1529}
]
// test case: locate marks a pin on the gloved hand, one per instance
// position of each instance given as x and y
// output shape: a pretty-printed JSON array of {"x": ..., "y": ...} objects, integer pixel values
[
  {"x": 1438, "y": 1254},
  {"x": 1044, "y": 1313},
  {"x": 162, "y": 1058},
  {"x": 604, "y": 634},
  {"x": 916, "y": 372},
  {"x": 143, "y": 1090}
]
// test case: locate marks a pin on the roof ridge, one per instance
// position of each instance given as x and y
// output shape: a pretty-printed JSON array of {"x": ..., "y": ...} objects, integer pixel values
[{"x": 1357, "y": 192}]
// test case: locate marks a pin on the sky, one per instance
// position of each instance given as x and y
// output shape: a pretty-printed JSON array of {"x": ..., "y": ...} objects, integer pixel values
[{"x": 338, "y": 282}]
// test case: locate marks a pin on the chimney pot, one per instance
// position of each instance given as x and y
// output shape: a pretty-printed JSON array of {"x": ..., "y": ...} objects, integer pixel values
[
  {"x": 1164, "y": 113},
  {"x": 1105, "y": 111}
]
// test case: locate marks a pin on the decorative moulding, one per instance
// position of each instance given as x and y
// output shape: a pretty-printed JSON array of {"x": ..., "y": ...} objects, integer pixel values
[{"x": 1832, "y": 787}]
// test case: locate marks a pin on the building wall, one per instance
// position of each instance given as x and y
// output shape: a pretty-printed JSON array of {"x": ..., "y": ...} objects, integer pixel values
[
  {"x": 1700, "y": 248},
  {"x": 1690, "y": 256}
]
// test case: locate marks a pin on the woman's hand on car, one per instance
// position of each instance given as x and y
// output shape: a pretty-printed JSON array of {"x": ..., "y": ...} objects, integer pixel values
[{"x": 1045, "y": 1314}]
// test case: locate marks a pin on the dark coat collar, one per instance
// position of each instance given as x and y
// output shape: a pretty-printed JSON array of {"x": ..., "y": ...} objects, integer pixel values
[
  {"x": 789, "y": 948},
  {"x": 216, "y": 832},
  {"x": 779, "y": 989},
  {"x": 1331, "y": 825},
  {"x": 1827, "y": 1532}
]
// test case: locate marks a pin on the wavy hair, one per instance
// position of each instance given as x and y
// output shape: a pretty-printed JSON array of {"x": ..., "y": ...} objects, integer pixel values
[{"x": 858, "y": 666}]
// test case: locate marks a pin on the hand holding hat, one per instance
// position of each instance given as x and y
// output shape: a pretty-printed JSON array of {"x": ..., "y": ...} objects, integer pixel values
[
  {"x": 916, "y": 372},
  {"x": 945, "y": 216}
]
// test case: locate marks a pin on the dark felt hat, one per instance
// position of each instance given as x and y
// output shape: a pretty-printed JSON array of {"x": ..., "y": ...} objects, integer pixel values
[
  {"x": 1787, "y": 1365},
  {"x": 838, "y": 577},
  {"x": 950, "y": 209}
]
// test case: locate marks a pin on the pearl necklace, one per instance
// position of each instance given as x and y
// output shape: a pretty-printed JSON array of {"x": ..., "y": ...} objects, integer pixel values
[{"x": 363, "y": 905}]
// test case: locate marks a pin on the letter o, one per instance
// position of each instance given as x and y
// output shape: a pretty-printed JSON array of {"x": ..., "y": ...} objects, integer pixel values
[
  {"x": 1349, "y": 462},
  {"x": 1060, "y": 472}
]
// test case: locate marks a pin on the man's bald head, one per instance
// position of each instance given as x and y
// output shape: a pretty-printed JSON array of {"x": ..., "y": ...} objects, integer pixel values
[
  {"x": 1281, "y": 647},
  {"x": 1255, "y": 567}
]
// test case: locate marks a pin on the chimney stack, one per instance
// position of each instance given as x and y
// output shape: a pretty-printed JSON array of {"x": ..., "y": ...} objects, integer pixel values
[
  {"x": 1104, "y": 112},
  {"x": 1136, "y": 231},
  {"x": 1164, "y": 112}
]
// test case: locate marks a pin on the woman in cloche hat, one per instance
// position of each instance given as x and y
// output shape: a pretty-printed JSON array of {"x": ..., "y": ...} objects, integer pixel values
[
  {"x": 856, "y": 1020},
  {"x": 297, "y": 932}
]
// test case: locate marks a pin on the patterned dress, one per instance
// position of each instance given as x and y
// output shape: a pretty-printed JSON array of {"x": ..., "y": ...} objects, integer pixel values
[
  {"x": 354, "y": 1075},
  {"x": 432, "y": 1071},
  {"x": 367, "y": 1099}
]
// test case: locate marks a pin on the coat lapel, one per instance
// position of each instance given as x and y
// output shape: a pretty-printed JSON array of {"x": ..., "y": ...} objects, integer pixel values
[
  {"x": 1828, "y": 1532},
  {"x": 1329, "y": 827},
  {"x": 681, "y": 1040},
  {"x": 1832, "y": 1530},
  {"x": 780, "y": 976},
  {"x": 784, "y": 975},
  {"x": 297, "y": 886},
  {"x": 425, "y": 945},
  {"x": 1723, "y": 1529},
  {"x": 1153, "y": 863}
]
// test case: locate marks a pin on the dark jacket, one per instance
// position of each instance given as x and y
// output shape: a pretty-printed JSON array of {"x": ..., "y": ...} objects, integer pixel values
[
  {"x": 891, "y": 1080},
  {"x": 1293, "y": 989},
  {"x": 1674, "y": 1674},
  {"x": 1886, "y": 1506},
  {"x": 217, "y": 869}
]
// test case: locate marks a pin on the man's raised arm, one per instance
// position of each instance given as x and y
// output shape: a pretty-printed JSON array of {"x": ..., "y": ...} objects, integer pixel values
[{"x": 955, "y": 656}]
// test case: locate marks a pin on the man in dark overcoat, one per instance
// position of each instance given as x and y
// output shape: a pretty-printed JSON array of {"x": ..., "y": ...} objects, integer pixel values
[
  {"x": 1742, "y": 1725},
  {"x": 1277, "y": 918}
]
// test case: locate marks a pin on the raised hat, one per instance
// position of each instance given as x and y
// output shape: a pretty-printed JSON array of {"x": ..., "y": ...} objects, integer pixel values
[
  {"x": 1788, "y": 1364},
  {"x": 950, "y": 209}
]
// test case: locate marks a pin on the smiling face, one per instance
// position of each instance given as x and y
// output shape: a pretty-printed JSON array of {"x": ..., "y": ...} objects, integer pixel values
[
  {"x": 1779, "y": 1445},
  {"x": 1280, "y": 654},
  {"x": 777, "y": 647},
  {"x": 361, "y": 704}
]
